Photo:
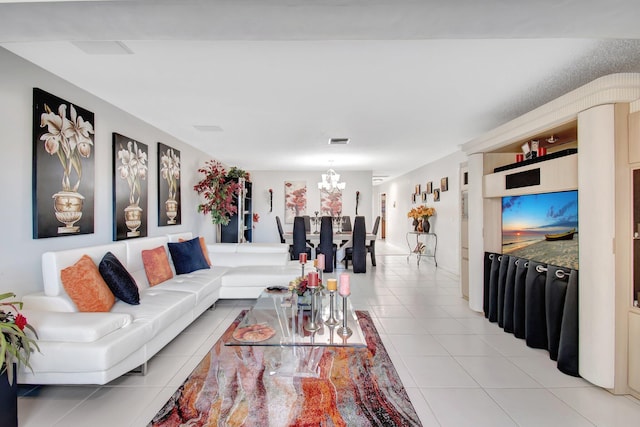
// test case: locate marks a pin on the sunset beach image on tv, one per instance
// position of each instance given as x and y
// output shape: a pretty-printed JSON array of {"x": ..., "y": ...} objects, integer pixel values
[{"x": 542, "y": 227}]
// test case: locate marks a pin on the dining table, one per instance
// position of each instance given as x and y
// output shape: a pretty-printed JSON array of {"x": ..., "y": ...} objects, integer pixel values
[
  {"x": 341, "y": 238},
  {"x": 338, "y": 236}
]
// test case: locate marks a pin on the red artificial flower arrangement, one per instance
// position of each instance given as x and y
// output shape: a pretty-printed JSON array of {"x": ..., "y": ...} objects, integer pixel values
[{"x": 15, "y": 345}]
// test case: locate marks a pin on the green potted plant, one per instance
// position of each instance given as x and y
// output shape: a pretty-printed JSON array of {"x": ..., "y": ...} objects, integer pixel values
[
  {"x": 15, "y": 350},
  {"x": 218, "y": 192},
  {"x": 236, "y": 173}
]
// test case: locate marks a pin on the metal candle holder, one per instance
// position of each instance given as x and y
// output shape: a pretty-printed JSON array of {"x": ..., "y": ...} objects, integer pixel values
[
  {"x": 312, "y": 325},
  {"x": 332, "y": 321},
  {"x": 344, "y": 330}
]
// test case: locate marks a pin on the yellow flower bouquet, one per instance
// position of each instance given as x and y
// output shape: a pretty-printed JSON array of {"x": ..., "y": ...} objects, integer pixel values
[{"x": 423, "y": 212}]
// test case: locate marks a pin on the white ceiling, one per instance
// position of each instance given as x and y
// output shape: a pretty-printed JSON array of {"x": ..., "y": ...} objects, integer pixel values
[{"x": 406, "y": 81}]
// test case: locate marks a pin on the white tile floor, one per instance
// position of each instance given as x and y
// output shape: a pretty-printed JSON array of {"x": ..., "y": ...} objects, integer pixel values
[{"x": 458, "y": 369}]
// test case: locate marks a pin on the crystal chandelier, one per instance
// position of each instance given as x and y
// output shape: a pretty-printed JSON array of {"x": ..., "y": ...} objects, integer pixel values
[{"x": 331, "y": 182}]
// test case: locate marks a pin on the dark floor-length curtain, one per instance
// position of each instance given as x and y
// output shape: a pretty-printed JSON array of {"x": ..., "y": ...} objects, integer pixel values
[
  {"x": 555, "y": 292},
  {"x": 488, "y": 259},
  {"x": 502, "y": 280},
  {"x": 493, "y": 288},
  {"x": 509, "y": 287},
  {"x": 519, "y": 295},
  {"x": 535, "y": 312},
  {"x": 568, "y": 347}
]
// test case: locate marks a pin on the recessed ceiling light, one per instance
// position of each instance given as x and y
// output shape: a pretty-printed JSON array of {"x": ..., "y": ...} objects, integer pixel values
[
  {"x": 208, "y": 128},
  {"x": 103, "y": 47},
  {"x": 338, "y": 141}
]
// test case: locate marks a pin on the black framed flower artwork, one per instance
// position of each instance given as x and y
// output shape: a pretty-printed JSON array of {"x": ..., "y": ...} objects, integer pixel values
[
  {"x": 63, "y": 167},
  {"x": 130, "y": 188},
  {"x": 169, "y": 206}
]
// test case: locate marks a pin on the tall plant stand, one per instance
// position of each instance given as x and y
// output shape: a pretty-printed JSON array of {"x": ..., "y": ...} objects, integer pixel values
[
  {"x": 424, "y": 245},
  {"x": 8, "y": 400}
]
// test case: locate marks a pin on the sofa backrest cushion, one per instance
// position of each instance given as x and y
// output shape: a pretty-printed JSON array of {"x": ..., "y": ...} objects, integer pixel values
[
  {"x": 54, "y": 262},
  {"x": 156, "y": 265},
  {"x": 205, "y": 251},
  {"x": 187, "y": 256},
  {"x": 203, "y": 246},
  {"x": 223, "y": 254},
  {"x": 262, "y": 254},
  {"x": 86, "y": 287},
  {"x": 245, "y": 254},
  {"x": 118, "y": 279},
  {"x": 134, "y": 263}
]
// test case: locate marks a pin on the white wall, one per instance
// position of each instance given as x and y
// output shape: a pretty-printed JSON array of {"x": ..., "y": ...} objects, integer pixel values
[
  {"x": 446, "y": 222},
  {"x": 20, "y": 254},
  {"x": 265, "y": 230}
]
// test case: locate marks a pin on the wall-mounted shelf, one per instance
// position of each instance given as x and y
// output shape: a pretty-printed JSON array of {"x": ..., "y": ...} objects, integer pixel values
[
  {"x": 546, "y": 157},
  {"x": 549, "y": 175}
]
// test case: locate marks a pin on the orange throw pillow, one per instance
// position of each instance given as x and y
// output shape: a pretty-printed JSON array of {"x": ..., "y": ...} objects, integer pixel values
[
  {"x": 156, "y": 265},
  {"x": 86, "y": 287},
  {"x": 203, "y": 245}
]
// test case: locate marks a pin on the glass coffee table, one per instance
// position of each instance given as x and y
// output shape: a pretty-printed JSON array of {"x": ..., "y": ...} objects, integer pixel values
[{"x": 277, "y": 320}]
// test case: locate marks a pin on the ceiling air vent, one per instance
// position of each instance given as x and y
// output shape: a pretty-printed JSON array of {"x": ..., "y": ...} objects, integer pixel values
[{"x": 338, "y": 141}]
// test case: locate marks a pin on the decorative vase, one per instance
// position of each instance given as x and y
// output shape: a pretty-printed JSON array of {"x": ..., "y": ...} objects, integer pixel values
[
  {"x": 172, "y": 210},
  {"x": 218, "y": 233},
  {"x": 133, "y": 219},
  {"x": 416, "y": 223},
  {"x": 68, "y": 210},
  {"x": 8, "y": 400},
  {"x": 426, "y": 226},
  {"x": 304, "y": 301}
]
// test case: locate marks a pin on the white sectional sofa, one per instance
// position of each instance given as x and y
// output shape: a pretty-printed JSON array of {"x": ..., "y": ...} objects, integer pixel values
[{"x": 95, "y": 348}]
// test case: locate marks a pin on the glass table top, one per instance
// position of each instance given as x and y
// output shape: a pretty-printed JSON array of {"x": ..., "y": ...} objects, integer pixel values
[{"x": 277, "y": 319}]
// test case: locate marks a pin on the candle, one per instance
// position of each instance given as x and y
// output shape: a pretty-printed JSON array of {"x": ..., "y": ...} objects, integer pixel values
[
  {"x": 313, "y": 279},
  {"x": 332, "y": 285},
  {"x": 320, "y": 259},
  {"x": 303, "y": 257},
  {"x": 344, "y": 285},
  {"x": 315, "y": 263}
]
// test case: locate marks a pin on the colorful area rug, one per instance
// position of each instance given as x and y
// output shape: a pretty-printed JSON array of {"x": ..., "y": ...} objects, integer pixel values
[{"x": 242, "y": 386}]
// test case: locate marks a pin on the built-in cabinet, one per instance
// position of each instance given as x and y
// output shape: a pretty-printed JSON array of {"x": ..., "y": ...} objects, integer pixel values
[
  {"x": 240, "y": 227},
  {"x": 607, "y": 122},
  {"x": 633, "y": 350}
]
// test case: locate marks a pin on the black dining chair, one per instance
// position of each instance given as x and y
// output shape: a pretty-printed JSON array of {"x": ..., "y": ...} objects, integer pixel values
[
  {"x": 281, "y": 233},
  {"x": 299, "y": 239},
  {"x": 326, "y": 245},
  {"x": 357, "y": 253},
  {"x": 346, "y": 226},
  {"x": 371, "y": 247},
  {"x": 346, "y": 223},
  {"x": 307, "y": 228}
]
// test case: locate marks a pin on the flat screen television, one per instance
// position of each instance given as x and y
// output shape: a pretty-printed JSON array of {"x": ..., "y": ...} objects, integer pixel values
[{"x": 542, "y": 227}]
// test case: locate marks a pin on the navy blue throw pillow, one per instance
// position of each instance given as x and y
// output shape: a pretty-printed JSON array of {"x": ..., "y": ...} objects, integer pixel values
[
  {"x": 187, "y": 256},
  {"x": 121, "y": 283}
]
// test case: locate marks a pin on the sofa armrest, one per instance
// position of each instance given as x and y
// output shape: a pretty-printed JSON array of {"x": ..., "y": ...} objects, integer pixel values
[
  {"x": 75, "y": 327},
  {"x": 40, "y": 301}
]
